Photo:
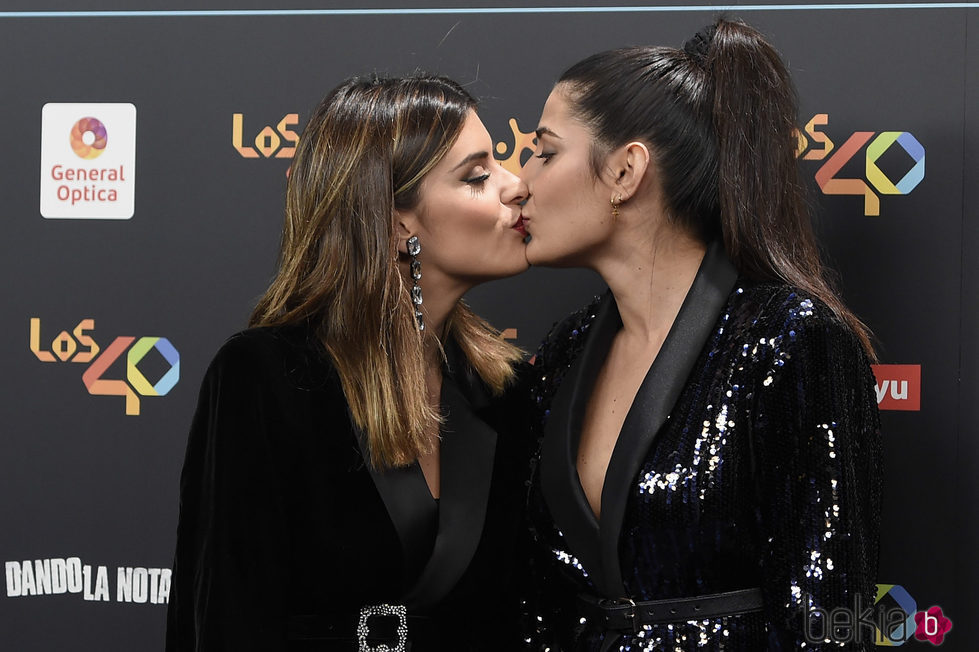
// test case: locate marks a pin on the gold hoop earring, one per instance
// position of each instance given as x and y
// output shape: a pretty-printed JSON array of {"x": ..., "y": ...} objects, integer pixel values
[{"x": 615, "y": 206}]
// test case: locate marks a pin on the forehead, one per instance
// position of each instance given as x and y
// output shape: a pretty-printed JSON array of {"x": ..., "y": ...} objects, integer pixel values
[
  {"x": 472, "y": 137},
  {"x": 556, "y": 105},
  {"x": 556, "y": 115}
]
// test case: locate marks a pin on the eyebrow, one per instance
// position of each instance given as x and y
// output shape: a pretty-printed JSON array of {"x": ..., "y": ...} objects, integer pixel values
[
  {"x": 472, "y": 157},
  {"x": 544, "y": 130}
]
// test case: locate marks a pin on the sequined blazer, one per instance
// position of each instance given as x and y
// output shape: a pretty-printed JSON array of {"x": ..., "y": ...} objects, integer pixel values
[{"x": 750, "y": 458}]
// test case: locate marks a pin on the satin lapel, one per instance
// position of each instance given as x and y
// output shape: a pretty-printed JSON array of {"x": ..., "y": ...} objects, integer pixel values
[
  {"x": 411, "y": 508},
  {"x": 559, "y": 472},
  {"x": 466, "y": 460},
  {"x": 658, "y": 394}
]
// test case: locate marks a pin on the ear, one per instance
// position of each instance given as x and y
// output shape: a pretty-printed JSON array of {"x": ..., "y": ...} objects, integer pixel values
[
  {"x": 406, "y": 222},
  {"x": 628, "y": 166}
]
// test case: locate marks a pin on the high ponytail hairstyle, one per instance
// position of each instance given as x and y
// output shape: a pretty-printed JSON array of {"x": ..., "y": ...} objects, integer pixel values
[
  {"x": 363, "y": 155},
  {"x": 720, "y": 117}
]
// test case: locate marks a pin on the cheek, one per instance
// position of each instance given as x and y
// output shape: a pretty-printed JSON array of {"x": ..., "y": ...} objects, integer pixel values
[
  {"x": 465, "y": 216},
  {"x": 479, "y": 216},
  {"x": 473, "y": 236},
  {"x": 561, "y": 185},
  {"x": 562, "y": 200},
  {"x": 567, "y": 224}
]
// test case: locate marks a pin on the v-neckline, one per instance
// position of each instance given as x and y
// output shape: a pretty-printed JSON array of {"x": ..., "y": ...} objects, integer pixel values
[
  {"x": 467, "y": 457},
  {"x": 580, "y": 429},
  {"x": 594, "y": 541}
]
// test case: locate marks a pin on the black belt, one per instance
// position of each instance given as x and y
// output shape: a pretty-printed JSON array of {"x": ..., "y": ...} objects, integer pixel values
[
  {"x": 625, "y": 615},
  {"x": 373, "y": 626}
]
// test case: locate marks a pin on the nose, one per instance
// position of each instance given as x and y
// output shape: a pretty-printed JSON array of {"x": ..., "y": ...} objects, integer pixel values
[{"x": 514, "y": 189}]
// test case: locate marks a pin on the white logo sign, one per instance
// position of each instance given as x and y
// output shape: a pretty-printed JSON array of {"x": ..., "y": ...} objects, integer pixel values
[{"x": 88, "y": 161}]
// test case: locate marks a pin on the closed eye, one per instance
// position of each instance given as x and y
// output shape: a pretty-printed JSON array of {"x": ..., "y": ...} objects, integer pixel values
[{"x": 477, "y": 184}]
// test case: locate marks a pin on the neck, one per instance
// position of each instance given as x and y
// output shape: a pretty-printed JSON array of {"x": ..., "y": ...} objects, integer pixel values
[
  {"x": 440, "y": 295},
  {"x": 650, "y": 277}
]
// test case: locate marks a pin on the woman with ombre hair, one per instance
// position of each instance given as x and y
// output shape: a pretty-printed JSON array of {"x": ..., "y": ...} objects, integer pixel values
[
  {"x": 349, "y": 482},
  {"x": 709, "y": 470}
]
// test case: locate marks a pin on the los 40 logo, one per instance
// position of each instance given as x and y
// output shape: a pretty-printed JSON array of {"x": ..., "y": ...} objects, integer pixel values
[
  {"x": 268, "y": 140},
  {"x": 877, "y": 145},
  {"x": 78, "y": 346}
]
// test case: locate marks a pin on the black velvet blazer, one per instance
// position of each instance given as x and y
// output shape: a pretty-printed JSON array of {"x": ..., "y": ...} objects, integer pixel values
[
  {"x": 284, "y": 531},
  {"x": 749, "y": 459}
]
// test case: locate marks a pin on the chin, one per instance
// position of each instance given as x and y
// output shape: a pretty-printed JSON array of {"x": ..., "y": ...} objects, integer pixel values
[
  {"x": 517, "y": 268},
  {"x": 537, "y": 256},
  {"x": 516, "y": 262},
  {"x": 542, "y": 258},
  {"x": 501, "y": 272}
]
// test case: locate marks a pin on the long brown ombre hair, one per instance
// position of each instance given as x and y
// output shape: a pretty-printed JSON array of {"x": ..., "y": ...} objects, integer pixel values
[
  {"x": 720, "y": 116},
  {"x": 361, "y": 157}
]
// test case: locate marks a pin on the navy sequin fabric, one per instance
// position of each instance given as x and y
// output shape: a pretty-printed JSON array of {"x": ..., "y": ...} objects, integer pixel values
[{"x": 766, "y": 474}]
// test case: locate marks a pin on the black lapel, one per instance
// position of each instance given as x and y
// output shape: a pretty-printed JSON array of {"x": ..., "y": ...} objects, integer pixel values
[
  {"x": 467, "y": 455},
  {"x": 410, "y": 506},
  {"x": 657, "y": 395},
  {"x": 559, "y": 471}
]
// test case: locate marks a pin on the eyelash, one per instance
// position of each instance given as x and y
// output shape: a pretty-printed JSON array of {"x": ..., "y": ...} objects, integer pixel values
[
  {"x": 476, "y": 183},
  {"x": 546, "y": 156}
]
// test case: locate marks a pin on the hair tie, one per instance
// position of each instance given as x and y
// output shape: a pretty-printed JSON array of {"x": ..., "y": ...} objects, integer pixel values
[{"x": 698, "y": 45}]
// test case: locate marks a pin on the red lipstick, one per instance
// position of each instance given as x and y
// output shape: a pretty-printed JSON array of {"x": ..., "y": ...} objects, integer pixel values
[{"x": 519, "y": 227}]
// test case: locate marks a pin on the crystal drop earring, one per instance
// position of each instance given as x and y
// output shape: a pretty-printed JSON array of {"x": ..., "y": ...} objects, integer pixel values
[{"x": 415, "y": 248}]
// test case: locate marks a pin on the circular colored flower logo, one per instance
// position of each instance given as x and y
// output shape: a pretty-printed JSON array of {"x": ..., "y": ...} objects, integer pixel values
[{"x": 88, "y": 138}]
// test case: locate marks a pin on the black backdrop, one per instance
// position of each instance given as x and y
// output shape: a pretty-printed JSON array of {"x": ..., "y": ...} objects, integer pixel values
[{"x": 83, "y": 483}]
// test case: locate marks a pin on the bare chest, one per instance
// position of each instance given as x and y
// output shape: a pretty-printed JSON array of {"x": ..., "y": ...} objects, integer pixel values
[{"x": 612, "y": 397}]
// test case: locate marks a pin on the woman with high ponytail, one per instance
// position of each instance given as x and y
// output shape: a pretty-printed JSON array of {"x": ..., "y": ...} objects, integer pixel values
[{"x": 708, "y": 476}]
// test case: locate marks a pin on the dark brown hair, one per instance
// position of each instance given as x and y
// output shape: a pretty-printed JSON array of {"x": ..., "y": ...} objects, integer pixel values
[
  {"x": 720, "y": 117},
  {"x": 362, "y": 155}
]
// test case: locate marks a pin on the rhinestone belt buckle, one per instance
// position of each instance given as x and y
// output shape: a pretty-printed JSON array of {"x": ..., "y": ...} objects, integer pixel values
[{"x": 363, "y": 629}]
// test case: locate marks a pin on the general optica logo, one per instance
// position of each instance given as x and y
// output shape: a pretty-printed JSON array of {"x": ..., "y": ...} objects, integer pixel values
[
  {"x": 88, "y": 138},
  {"x": 84, "y": 173},
  {"x": 898, "y": 386},
  {"x": 875, "y": 182},
  {"x": 79, "y": 346}
]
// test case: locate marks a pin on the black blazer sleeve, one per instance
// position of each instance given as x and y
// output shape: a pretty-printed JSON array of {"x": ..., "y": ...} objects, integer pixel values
[
  {"x": 818, "y": 453},
  {"x": 225, "y": 595}
]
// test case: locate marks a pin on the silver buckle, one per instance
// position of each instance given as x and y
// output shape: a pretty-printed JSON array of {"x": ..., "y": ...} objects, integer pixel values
[{"x": 363, "y": 630}]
